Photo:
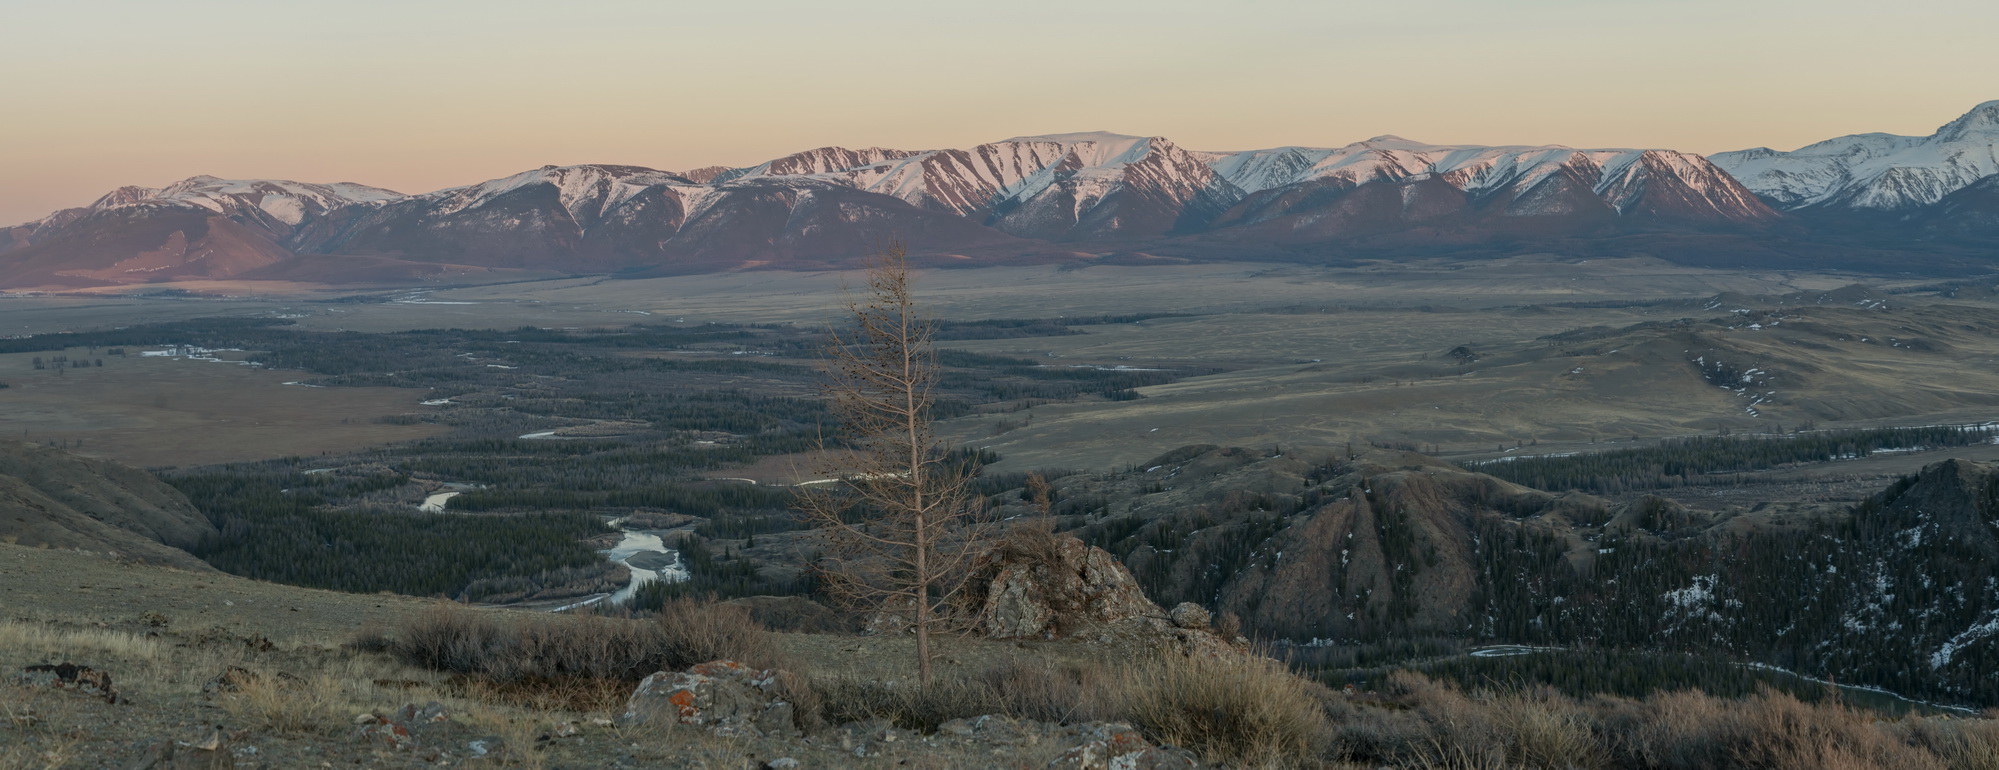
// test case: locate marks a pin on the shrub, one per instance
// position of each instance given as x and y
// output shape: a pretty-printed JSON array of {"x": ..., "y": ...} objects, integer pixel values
[
  {"x": 289, "y": 705},
  {"x": 1234, "y": 712},
  {"x": 515, "y": 647}
]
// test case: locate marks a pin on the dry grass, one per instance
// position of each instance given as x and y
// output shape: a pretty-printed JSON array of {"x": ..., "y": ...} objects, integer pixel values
[
  {"x": 55, "y": 644},
  {"x": 293, "y": 706},
  {"x": 1239, "y": 713},
  {"x": 584, "y": 662},
  {"x": 36, "y": 730},
  {"x": 1420, "y": 723},
  {"x": 1231, "y": 711},
  {"x": 520, "y": 648}
]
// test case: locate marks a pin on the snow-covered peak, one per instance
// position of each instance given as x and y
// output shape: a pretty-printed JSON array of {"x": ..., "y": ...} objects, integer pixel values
[
  {"x": 1874, "y": 170},
  {"x": 823, "y": 160},
  {"x": 1472, "y": 168},
  {"x": 124, "y": 196},
  {"x": 1981, "y": 120},
  {"x": 1077, "y": 137},
  {"x": 282, "y": 200},
  {"x": 585, "y": 191}
]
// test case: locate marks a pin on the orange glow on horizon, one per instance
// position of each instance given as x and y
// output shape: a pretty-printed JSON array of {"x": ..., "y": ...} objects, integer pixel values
[{"x": 417, "y": 97}]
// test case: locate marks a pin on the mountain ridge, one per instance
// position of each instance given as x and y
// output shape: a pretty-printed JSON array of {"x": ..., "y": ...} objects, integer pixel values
[{"x": 1048, "y": 197}]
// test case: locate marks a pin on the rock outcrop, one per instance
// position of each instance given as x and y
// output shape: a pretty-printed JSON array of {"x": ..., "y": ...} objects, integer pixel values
[
  {"x": 1050, "y": 587},
  {"x": 728, "y": 698}
]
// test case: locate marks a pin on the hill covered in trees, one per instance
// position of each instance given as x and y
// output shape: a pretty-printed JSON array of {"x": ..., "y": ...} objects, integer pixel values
[{"x": 1897, "y": 592}]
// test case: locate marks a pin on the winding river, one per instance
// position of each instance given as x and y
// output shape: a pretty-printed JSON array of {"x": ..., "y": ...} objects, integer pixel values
[{"x": 644, "y": 554}]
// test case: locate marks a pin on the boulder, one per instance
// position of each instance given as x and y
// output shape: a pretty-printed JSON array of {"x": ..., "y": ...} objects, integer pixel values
[
  {"x": 726, "y": 697},
  {"x": 1119, "y": 746},
  {"x": 410, "y": 728},
  {"x": 1047, "y": 586},
  {"x": 1190, "y": 616},
  {"x": 385, "y": 733}
]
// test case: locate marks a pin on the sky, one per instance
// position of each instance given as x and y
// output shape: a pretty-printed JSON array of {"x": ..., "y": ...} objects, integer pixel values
[{"x": 417, "y": 95}]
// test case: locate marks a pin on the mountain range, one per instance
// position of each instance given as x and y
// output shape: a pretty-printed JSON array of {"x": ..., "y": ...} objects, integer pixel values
[{"x": 1038, "y": 198}]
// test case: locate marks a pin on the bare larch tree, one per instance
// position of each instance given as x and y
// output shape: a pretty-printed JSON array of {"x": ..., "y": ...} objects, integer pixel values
[{"x": 901, "y": 525}]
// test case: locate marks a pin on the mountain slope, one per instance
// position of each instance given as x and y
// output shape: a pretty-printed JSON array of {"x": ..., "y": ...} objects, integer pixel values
[
  {"x": 53, "y": 499},
  {"x": 201, "y": 227},
  {"x": 1970, "y": 215},
  {"x": 1046, "y": 198},
  {"x": 611, "y": 218},
  {"x": 1874, "y": 172},
  {"x": 1897, "y": 592}
]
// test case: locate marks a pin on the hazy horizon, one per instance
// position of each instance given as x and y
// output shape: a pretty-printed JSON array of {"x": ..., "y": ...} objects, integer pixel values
[{"x": 452, "y": 93}]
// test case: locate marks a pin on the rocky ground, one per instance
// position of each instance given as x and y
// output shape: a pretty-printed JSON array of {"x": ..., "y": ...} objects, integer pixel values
[{"x": 118, "y": 665}]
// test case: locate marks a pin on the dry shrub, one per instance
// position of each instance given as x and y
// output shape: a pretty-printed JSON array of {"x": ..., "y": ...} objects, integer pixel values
[
  {"x": 698, "y": 632},
  {"x": 587, "y": 662},
  {"x": 577, "y": 694},
  {"x": 1020, "y": 689},
  {"x": 909, "y": 705},
  {"x": 1049, "y": 693},
  {"x": 1419, "y": 722},
  {"x": 1770, "y": 730},
  {"x": 292, "y": 706},
  {"x": 1672, "y": 731},
  {"x": 517, "y": 648},
  {"x": 1961, "y": 744},
  {"x": 1783, "y": 732},
  {"x": 1544, "y": 729},
  {"x": 1235, "y": 712}
]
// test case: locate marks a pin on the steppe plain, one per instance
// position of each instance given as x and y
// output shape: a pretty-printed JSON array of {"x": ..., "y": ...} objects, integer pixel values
[{"x": 1465, "y": 359}]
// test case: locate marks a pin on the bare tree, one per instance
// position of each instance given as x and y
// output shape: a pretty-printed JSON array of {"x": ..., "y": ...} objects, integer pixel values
[{"x": 902, "y": 527}]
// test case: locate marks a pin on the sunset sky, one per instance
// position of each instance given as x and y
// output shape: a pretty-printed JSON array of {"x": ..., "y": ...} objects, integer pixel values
[{"x": 416, "y": 95}]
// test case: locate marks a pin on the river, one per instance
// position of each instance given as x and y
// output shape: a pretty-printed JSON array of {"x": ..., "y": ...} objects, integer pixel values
[{"x": 638, "y": 550}]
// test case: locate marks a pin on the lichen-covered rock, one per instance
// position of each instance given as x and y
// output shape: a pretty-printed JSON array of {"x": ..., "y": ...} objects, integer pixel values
[
  {"x": 1048, "y": 586},
  {"x": 385, "y": 733},
  {"x": 1118, "y": 746},
  {"x": 1190, "y": 616},
  {"x": 1055, "y": 586},
  {"x": 996, "y": 730},
  {"x": 429, "y": 713},
  {"x": 726, "y": 697}
]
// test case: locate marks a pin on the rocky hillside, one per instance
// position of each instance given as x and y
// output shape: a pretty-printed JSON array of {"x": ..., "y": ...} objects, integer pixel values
[
  {"x": 53, "y": 499},
  {"x": 1899, "y": 592}
]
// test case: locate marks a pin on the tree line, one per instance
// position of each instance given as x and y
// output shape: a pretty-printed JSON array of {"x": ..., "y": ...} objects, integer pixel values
[{"x": 1711, "y": 459}]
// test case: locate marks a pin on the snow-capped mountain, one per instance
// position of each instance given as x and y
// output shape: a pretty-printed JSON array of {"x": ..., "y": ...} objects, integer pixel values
[
  {"x": 1389, "y": 183},
  {"x": 595, "y": 218},
  {"x": 1097, "y": 185},
  {"x": 1053, "y": 196},
  {"x": 1619, "y": 178},
  {"x": 273, "y": 206},
  {"x": 197, "y": 228},
  {"x": 1881, "y": 172}
]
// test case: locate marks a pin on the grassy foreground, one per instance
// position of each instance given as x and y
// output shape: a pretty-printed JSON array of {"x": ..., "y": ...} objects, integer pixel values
[{"x": 546, "y": 690}]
